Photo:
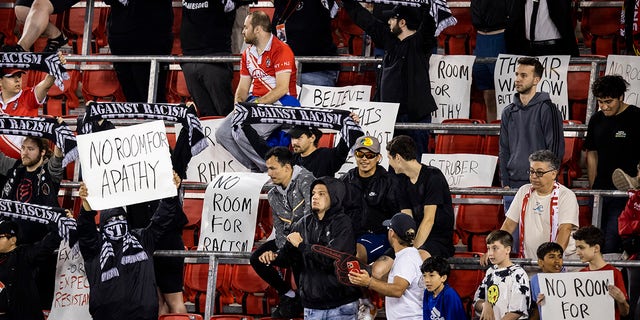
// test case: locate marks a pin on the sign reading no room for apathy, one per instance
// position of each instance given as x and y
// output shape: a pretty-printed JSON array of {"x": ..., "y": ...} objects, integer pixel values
[
  {"x": 230, "y": 211},
  {"x": 127, "y": 165},
  {"x": 451, "y": 86},
  {"x": 577, "y": 295}
]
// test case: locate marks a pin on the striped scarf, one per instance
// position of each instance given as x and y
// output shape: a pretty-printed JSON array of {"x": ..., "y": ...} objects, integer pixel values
[
  {"x": 40, "y": 214},
  {"x": 46, "y": 62},
  {"x": 439, "y": 10},
  {"x": 132, "y": 250},
  {"x": 553, "y": 219}
]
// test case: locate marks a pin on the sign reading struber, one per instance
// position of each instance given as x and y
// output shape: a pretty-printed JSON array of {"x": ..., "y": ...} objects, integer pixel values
[{"x": 126, "y": 165}]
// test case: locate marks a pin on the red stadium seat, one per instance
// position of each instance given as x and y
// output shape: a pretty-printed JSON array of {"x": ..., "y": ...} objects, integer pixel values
[
  {"x": 231, "y": 317},
  {"x": 101, "y": 84},
  {"x": 466, "y": 281},
  {"x": 195, "y": 283},
  {"x": 264, "y": 224},
  {"x": 251, "y": 291},
  {"x": 570, "y": 164},
  {"x": 73, "y": 27},
  {"x": 177, "y": 88},
  {"x": 59, "y": 102},
  {"x": 176, "y": 50},
  {"x": 460, "y": 143},
  {"x": 192, "y": 207},
  {"x": 600, "y": 28},
  {"x": 475, "y": 221},
  {"x": 461, "y": 37},
  {"x": 585, "y": 211},
  {"x": 180, "y": 316},
  {"x": 8, "y": 26},
  {"x": 327, "y": 140}
]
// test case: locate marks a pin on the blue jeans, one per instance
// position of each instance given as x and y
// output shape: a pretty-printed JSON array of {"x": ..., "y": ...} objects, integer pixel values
[
  {"x": 347, "y": 311},
  {"x": 325, "y": 78}
]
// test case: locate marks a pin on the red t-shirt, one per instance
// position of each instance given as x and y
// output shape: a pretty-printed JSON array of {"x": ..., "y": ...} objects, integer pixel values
[
  {"x": 276, "y": 58},
  {"x": 23, "y": 104},
  {"x": 618, "y": 281}
]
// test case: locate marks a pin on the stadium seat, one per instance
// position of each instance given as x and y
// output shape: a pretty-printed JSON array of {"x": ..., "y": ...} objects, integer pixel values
[
  {"x": 180, "y": 316},
  {"x": 327, "y": 140},
  {"x": 177, "y": 88},
  {"x": 192, "y": 207},
  {"x": 348, "y": 37},
  {"x": 475, "y": 221},
  {"x": 73, "y": 27},
  {"x": 251, "y": 291},
  {"x": 460, "y": 143},
  {"x": 195, "y": 283},
  {"x": 600, "y": 28},
  {"x": 578, "y": 86},
  {"x": 231, "y": 317},
  {"x": 264, "y": 224},
  {"x": 101, "y": 84},
  {"x": 585, "y": 211},
  {"x": 466, "y": 281},
  {"x": 59, "y": 102},
  {"x": 461, "y": 37},
  {"x": 176, "y": 49},
  {"x": 570, "y": 164}
]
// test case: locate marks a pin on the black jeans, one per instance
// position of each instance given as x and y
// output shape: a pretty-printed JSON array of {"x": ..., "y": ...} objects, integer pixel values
[{"x": 269, "y": 273}]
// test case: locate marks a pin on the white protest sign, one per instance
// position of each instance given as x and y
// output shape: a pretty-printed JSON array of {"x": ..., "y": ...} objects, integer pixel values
[
  {"x": 230, "y": 211},
  {"x": 71, "y": 298},
  {"x": 576, "y": 295},
  {"x": 451, "y": 86},
  {"x": 553, "y": 81},
  {"x": 214, "y": 159},
  {"x": 333, "y": 97},
  {"x": 629, "y": 68},
  {"x": 463, "y": 169},
  {"x": 377, "y": 119},
  {"x": 127, "y": 165}
]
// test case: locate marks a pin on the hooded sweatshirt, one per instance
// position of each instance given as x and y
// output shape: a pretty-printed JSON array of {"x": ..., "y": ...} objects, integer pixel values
[
  {"x": 525, "y": 129},
  {"x": 319, "y": 285}
]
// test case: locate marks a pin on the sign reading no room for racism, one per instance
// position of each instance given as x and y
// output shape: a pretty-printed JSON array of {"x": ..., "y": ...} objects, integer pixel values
[
  {"x": 577, "y": 295},
  {"x": 214, "y": 159},
  {"x": 451, "y": 86},
  {"x": 553, "y": 81},
  {"x": 127, "y": 165},
  {"x": 230, "y": 211},
  {"x": 629, "y": 68}
]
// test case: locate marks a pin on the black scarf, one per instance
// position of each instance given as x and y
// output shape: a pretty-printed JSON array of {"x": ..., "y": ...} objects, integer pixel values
[
  {"x": 339, "y": 120},
  {"x": 46, "y": 62},
  {"x": 39, "y": 214},
  {"x": 44, "y": 127},
  {"x": 439, "y": 10}
]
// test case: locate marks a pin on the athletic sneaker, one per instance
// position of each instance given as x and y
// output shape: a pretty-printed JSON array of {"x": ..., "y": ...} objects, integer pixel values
[
  {"x": 366, "y": 310},
  {"x": 53, "y": 45},
  {"x": 13, "y": 48},
  {"x": 623, "y": 181}
]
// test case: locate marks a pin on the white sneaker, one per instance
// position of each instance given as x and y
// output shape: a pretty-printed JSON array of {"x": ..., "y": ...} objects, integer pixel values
[{"x": 366, "y": 310}]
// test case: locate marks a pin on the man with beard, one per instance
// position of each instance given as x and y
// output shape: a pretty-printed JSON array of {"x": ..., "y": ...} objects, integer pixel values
[
  {"x": 267, "y": 66},
  {"x": 320, "y": 161},
  {"x": 530, "y": 123},
  {"x": 408, "y": 38}
]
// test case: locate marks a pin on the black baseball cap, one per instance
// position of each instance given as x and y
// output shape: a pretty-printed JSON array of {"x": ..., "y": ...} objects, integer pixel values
[
  {"x": 8, "y": 227},
  {"x": 402, "y": 223},
  {"x": 297, "y": 131},
  {"x": 412, "y": 16}
]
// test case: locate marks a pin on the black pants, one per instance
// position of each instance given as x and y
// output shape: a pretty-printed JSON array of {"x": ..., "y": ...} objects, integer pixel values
[
  {"x": 269, "y": 273},
  {"x": 210, "y": 86}
]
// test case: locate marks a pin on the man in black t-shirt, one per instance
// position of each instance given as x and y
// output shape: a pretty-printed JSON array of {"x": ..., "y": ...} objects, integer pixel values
[
  {"x": 613, "y": 141},
  {"x": 320, "y": 161}
]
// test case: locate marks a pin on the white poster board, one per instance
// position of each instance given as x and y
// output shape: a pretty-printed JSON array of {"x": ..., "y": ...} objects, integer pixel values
[
  {"x": 451, "y": 86},
  {"x": 214, "y": 159},
  {"x": 71, "y": 297},
  {"x": 463, "y": 169},
  {"x": 378, "y": 120},
  {"x": 577, "y": 295},
  {"x": 333, "y": 97},
  {"x": 230, "y": 211},
  {"x": 629, "y": 68},
  {"x": 126, "y": 165},
  {"x": 553, "y": 81}
]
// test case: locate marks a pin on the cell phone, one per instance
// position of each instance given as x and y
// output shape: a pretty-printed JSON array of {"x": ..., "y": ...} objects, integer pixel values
[{"x": 354, "y": 266}]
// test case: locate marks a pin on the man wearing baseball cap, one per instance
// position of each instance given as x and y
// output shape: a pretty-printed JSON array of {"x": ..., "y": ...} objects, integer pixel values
[
  {"x": 19, "y": 296},
  {"x": 402, "y": 288},
  {"x": 408, "y": 37},
  {"x": 320, "y": 161},
  {"x": 373, "y": 195},
  {"x": 15, "y": 100}
]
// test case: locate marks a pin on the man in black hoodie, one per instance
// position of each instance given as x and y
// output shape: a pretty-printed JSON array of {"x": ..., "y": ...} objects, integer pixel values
[{"x": 323, "y": 296}]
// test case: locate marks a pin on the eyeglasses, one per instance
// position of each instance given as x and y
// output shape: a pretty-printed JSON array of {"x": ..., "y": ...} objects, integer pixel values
[
  {"x": 538, "y": 174},
  {"x": 368, "y": 155}
]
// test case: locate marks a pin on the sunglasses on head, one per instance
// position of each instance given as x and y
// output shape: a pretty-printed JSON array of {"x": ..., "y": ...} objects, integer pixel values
[{"x": 368, "y": 155}]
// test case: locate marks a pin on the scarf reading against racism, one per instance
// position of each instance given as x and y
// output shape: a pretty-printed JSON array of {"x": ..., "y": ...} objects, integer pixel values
[
  {"x": 553, "y": 219},
  {"x": 439, "y": 10},
  {"x": 339, "y": 120},
  {"x": 46, "y": 62},
  {"x": 39, "y": 214},
  {"x": 44, "y": 127},
  {"x": 187, "y": 116}
]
